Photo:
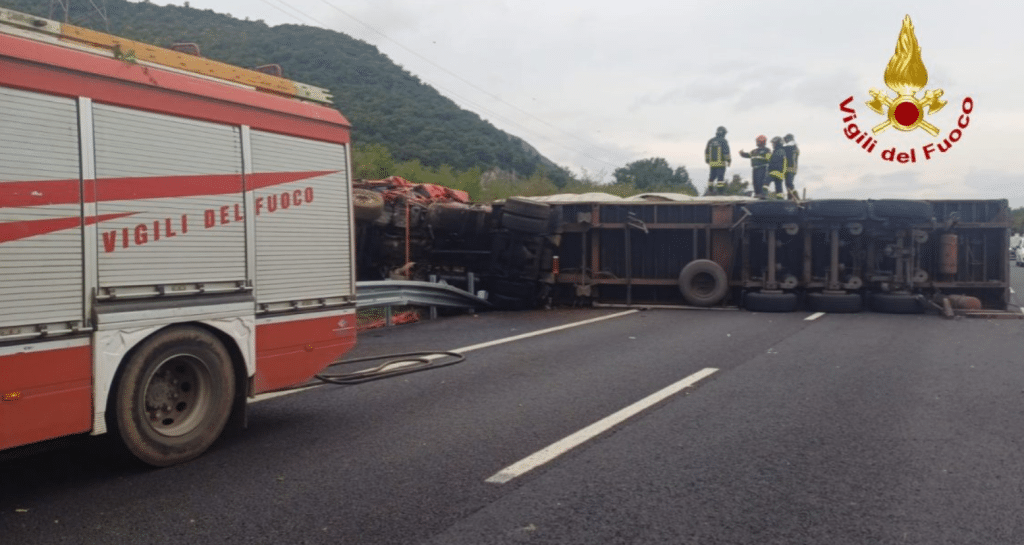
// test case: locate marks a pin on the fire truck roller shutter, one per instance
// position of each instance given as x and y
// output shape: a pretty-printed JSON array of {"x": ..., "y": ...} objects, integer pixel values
[
  {"x": 304, "y": 247},
  {"x": 179, "y": 183},
  {"x": 40, "y": 210}
]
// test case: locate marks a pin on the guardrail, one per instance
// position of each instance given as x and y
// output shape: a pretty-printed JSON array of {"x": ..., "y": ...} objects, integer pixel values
[{"x": 393, "y": 293}]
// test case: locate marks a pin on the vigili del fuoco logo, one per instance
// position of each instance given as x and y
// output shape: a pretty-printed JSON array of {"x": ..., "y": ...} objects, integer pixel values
[{"x": 906, "y": 75}]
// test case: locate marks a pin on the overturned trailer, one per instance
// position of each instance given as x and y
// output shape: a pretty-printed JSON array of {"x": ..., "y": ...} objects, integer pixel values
[{"x": 838, "y": 255}]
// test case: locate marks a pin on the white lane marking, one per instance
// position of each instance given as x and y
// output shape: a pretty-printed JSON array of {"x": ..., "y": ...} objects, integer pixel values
[
  {"x": 814, "y": 316},
  {"x": 470, "y": 348},
  {"x": 1011, "y": 290},
  {"x": 562, "y": 446},
  {"x": 489, "y": 344}
]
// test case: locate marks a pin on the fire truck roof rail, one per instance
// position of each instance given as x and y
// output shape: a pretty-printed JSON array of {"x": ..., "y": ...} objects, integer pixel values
[{"x": 30, "y": 26}]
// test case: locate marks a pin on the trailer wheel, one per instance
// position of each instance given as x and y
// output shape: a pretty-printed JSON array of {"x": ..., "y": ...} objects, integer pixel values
[
  {"x": 174, "y": 396},
  {"x": 367, "y": 204},
  {"x": 528, "y": 208},
  {"x": 846, "y": 209},
  {"x": 757, "y": 301},
  {"x": 523, "y": 224},
  {"x": 905, "y": 211},
  {"x": 782, "y": 210},
  {"x": 835, "y": 303},
  {"x": 896, "y": 303},
  {"x": 703, "y": 283}
]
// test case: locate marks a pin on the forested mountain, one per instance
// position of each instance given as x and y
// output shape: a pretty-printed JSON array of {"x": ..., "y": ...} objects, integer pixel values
[{"x": 386, "y": 104}]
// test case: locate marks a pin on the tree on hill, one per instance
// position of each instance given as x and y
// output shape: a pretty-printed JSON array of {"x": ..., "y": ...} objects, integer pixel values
[
  {"x": 386, "y": 104},
  {"x": 654, "y": 174},
  {"x": 736, "y": 186}
]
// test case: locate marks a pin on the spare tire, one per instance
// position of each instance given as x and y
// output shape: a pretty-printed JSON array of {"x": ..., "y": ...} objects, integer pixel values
[
  {"x": 703, "y": 283},
  {"x": 367, "y": 204}
]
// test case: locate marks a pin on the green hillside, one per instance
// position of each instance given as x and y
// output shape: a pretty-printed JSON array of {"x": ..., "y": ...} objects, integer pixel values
[{"x": 386, "y": 104}]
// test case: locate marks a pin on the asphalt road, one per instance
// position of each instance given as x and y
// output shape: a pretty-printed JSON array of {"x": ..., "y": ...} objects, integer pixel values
[{"x": 863, "y": 428}]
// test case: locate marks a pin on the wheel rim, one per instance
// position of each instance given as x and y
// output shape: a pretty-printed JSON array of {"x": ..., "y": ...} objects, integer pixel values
[
  {"x": 177, "y": 395},
  {"x": 703, "y": 284}
]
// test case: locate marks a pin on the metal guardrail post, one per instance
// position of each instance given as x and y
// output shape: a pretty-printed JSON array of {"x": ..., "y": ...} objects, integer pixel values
[{"x": 433, "y": 309}]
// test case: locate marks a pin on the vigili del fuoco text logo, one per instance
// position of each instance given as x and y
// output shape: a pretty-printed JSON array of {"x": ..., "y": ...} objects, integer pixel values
[{"x": 906, "y": 75}]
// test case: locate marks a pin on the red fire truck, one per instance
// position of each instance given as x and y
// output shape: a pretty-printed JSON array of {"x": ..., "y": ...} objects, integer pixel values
[{"x": 175, "y": 236}]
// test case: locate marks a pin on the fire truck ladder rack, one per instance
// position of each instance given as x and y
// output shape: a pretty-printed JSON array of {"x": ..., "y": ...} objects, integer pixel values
[{"x": 38, "y": 28}]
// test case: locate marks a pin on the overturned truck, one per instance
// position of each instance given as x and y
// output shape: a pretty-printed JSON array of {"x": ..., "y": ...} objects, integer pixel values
[
  {"x": 835, "y": 255},
  {"x": 896, "y": 256}
]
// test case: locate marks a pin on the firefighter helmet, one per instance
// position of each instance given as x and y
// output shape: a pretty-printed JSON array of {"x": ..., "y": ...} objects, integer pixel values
[
  {"x": 789, "y": 138},
  {"x": 720, "y": 131},
  {"x": 777, "y": 141},
  {"x": 761, "y": 140}
]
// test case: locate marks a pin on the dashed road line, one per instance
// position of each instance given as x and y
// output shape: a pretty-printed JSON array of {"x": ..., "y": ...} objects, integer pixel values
[{"x": 562, "y": 446}]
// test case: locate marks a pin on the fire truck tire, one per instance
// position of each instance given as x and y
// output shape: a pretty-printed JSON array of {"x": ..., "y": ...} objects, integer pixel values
[
  {"x": 703, "y": 283},
  {"x": 896, "y": 303},
  {"x": 845, "y": 209},
  {"x": 835, "y": 303},
  {"x": 907, "y": 211},
  {"x": 173, "y": 396},
  {"x": 367, "y": 204},
  {"x": 756, "y": 301},
  {"x": 528, "y": 208},
  {"x": 523, "y": 224}
]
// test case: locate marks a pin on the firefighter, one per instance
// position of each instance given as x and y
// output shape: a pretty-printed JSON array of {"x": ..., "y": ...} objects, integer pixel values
[
  {"x": 777, "y": 164},
  {"x": 717, "y": 156},
  {"x": 792, "y": 153},
  {"x": 759, "y": 158}
]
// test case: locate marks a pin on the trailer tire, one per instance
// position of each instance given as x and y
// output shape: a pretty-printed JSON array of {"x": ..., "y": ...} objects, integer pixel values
[
  {"x": 836, "y": 303},
  {"x": 448, "y": 217},
  {"x": 703, "y": 283},
  {"x": 904, "y": 211},
  {"x": 173, "y": 396},
  {"x": 896, "y": 303},
  {"x": 757, "y": 301},
  {"x": 836, "y": 209},
  {"x": 367, "y": 204},
  {"x": 523, "y": 224},
  {"x": 528, "y": 208},
  {"x": 782, "y": 210}
]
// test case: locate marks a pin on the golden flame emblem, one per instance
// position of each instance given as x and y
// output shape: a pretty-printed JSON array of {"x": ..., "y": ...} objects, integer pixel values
[{"x": 906, "y": 75}]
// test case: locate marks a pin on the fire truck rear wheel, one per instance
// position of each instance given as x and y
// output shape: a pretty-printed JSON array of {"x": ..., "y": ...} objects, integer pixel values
[{"x": 173, "y": 397}]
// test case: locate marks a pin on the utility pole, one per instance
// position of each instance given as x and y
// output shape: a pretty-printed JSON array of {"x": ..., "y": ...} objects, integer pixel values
[{"x": 93, "y": 15}]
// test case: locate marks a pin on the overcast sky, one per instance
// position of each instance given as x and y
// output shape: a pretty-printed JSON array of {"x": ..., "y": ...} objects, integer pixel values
[{"x": 596, "y": 84}]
